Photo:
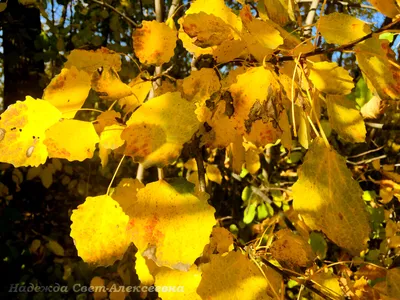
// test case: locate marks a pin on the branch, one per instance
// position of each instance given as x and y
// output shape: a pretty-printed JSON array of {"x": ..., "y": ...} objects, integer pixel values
[
  {"x": 129, "y": 20},
  {"x": 344, "y": 4},
  {"x": 320, "y": 51}
]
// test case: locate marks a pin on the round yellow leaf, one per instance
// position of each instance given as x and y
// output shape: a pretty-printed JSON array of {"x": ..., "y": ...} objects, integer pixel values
[
  {"x": 99, "y": 230},
  {"x": 110, "y": 138},
  {"x": 22, "y": 132},
  {"x": 154, "y": 43},
  {"x": 169, "y": 220},
  {"x": 71, "y": 139}
]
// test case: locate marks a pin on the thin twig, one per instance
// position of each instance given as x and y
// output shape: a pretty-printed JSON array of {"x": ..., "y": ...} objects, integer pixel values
[
  {"x": 366, "y": 152},
  {"x": 355, "y": 5},
  {"x": 200, "y": 167},
  {"x": 129, "y": 20},
  {"x": 320, "y": 51},
  {"x": 365, "y": 161}
]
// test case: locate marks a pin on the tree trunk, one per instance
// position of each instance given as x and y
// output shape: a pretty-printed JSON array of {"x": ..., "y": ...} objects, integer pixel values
[{"x": 23, "y": 66}]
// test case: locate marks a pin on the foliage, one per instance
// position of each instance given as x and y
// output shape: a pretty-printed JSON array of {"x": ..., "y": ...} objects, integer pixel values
[{"x": 256, "y": 98}]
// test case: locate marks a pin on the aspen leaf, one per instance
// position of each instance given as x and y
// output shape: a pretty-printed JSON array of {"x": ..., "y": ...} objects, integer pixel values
[
  {"x": 110, "y": 137},
  {"x": 279, "y": 11},
  {"x": 22, "y": 132},
  {"x": 166, "y": 217},
  {"x": 213, "y": 173},
  {"x": 107, "y": 118},
  {"x": 232, "y": 276},
  {"x": 255, "y": 85},
  {"x": 330, "y": 283},
  {"x": 346, "y": 119},
  {"x": 188, "y": 280},
  {"x": 154, "y": 43},
  {"x": 200, "y": 85},
  {"x": 71, "y": 139},
  {"x": 126, "y": 194},
  {"x": 262, "y": 133},
  {"x": 252, "y": 160},
  {"x": 206, "y": 30},
  {"x": 91, "y": 61},
  {"x": 393, "y": 282},
  {"x": 326, "y": 194},
  {"x": 329, "y": 78},
  {"x": 389, "y": 8},
  {"x": 372, "y": 109},
  {"x": 108, "y": 85},
  {"x": 68, "y": 91},
  {"x": 221, "y": 241},
  {"x": 140, "y": 89},
  {"x": 338, "y": 28},
  {"x": 153, "y": 136},
  {"x": 237, "y": 154},
  {"x": 374, "y": 58},
  {"x": 99, "y": 230},
  {"x": 228, "y": 50},
  {"x": 143, "y": 271},
  {"x": 292, "y": 250},
  {"x": 260, "y": 36}
]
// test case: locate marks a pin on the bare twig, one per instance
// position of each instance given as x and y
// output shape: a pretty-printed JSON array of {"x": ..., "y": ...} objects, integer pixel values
[
  {"x": 365, "y": 161},
  {"x": 366, "y": 152},
  {"x": 348, "y": 46},
  {"x": 355, "y": 5},
  {"x": 200, "y": 165},
  {"x": 127, "y": 19}
]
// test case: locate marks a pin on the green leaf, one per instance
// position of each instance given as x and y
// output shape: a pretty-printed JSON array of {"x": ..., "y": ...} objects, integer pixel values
[
  {"x": 262, "y": 211},
  {"x": 318, "y": 244},
  {"x": 249, "y": 213}
]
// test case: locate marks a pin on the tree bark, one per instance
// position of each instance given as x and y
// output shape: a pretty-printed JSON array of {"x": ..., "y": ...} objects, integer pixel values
[{"x": 23, "y": 67}]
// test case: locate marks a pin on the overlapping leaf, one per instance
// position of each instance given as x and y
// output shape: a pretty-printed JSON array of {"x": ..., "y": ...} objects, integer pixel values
[
  {"x": 171, "y": 221},
  {"x": 346, "y": 119},
  {"x": 157, "y": 130},
  {"x": 232, "y": 276},
  {"x": 71, "y": 139},
  {"x": 375, "y": 58},
  {"x": 68, "y": 91},
  {"x": 326, "y": 194},
  {"x": 22, "y": 132},
  {"x": 338, "y": 28},
  {"x": 329, "y": 78},
  {"x": 389, "y": 8}
]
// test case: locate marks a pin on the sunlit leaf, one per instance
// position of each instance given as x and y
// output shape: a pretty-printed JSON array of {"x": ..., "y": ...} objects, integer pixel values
[
  {"x": 339, "y": 28},
  {"x": 171, "y": 222},
  {"x": 68, "y": 91},
  {"x": 140, "y": 89},
  {"x": 153, "y": 136},
  {"x": 185, "y": 283},
  {"x": 90, "y": 61},
  {"x": 329, "y": 78},
  {"x": 108, "y": 85},
  {"x": 110, "y": 137},
  {"x": 389, "y": 8},
  {"x": 326, "y": 194},
  {"x": 71, "y": 139},
  {"x": 22, "y": 132},
  {"x": 345, "y": 119},
  {"x": 99, "y": 230},
  {"x": 154, "y": 43},
  {"x": 232, "y": 276},
  {"x": 126, "y": 194}
]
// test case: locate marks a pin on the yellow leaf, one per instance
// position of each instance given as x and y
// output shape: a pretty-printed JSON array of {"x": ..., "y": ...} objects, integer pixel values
[
  {"x": 292, "y": 250},
  {"x": 279, "y": 11},
  {"x": 221, "y": 241},
  {"x": 256, "y": 87},
  {"x": 237, "y": 154},
  {"x": 393, "y": 283},
  {"x": 126, "y": 194},
  {"x": 338, "y": 28},
  {"x": 374, "y": 57},
  {"x": 154, "y": 43},
  {"x": 346, "y": 119},
  {"x": 99, "y": 230},
  {"x": 22, "y": 132},
  {"x": 68, "y": 91},
  {"x": 331, "y": 285},
  {"x": 389, "y": 8},
  {"x": 252, "y": 159},
  {"x": 110, "y": 137},
  {"x": 143, "y": 271},
  {"x": 213, "y": 173},
  {"x": 372, "y": 109},
  {"x": 206, "y": 30},
  {"x": 262, "y": 133},
  {"x": 106, "y": 118},
  {"x": 158, "y": 129},
  {"x": 232, "y": 276},
  {"x": 185, "y": 283},
  {"x": 71, "y": 139},
  {"x": 200, "y": 85},
  {"x": 326, "y": 194},
  {"x": 228, "y": 50},
  {"x": 91, "y": 61},
  {"x": 216, "y": 8},
  {"x": 140, "y": 89},
  {"x": 172, "y": 222},
  {"x": 108, "y": 85},
  {"x": 260, "y": 36},
  {"x": 329, "y": 78},
  {"x": 231, "y": 78}
]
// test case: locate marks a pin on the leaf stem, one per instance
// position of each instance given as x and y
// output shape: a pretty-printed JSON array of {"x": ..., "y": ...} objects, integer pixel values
[{"x": 115, "y": 174}]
